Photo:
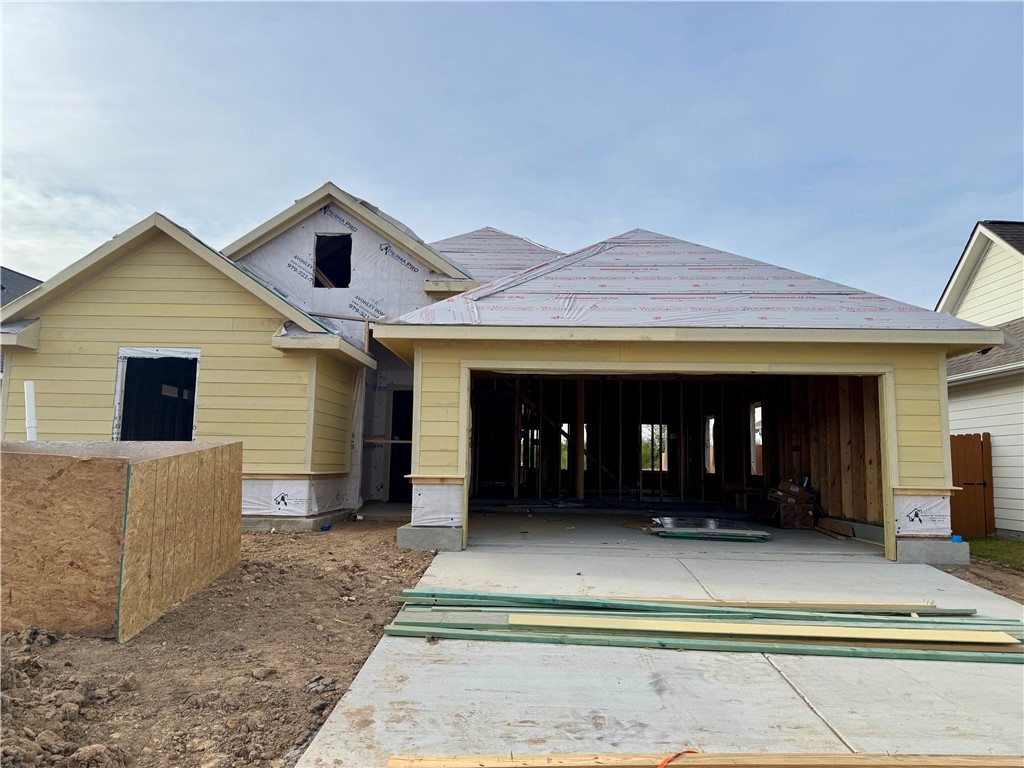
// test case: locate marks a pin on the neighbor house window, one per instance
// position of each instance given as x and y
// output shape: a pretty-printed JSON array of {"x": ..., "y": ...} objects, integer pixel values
[
  {"x": 654, "y": 447},
  {"x": 756, "y": 451},
  {"x": 709, "y": 444},
  {"x": 333, "y": 268}
]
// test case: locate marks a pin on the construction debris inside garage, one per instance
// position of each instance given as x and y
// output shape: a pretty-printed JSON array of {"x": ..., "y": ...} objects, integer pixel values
[{"x": 685, "y": 445}]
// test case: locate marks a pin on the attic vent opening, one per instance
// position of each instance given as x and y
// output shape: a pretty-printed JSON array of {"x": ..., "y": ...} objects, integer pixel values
[{"x": 333, "y": 256}]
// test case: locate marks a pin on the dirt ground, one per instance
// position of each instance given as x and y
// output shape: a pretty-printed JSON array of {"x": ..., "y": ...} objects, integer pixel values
[
  {"x": 242, "y": 674},
  {"x": 993, "y": 577}
]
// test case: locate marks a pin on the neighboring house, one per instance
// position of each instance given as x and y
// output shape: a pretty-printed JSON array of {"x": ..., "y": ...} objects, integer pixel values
[
  {"x": 986, "y": 389},
  {"x": 13, "y": 284},
  {"x": 157, "y": 336}
]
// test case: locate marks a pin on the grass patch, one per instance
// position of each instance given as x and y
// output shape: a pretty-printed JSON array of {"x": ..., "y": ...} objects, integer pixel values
[{"x": 1008, "y": 552}]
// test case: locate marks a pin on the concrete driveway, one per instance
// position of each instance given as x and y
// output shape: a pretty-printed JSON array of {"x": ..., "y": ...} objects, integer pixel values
[{"x": 461, "y": 697}]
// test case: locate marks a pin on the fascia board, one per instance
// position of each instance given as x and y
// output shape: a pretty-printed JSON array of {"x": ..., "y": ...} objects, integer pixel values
[
  {"x": 964, "y": 270},
  {"x": 988, "y": 373},
  {"x": 968, "y": 338}
]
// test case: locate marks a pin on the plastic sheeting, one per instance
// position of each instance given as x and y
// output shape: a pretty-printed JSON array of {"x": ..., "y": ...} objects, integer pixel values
[
  {"x": 489, "y": 254},
  {"x": 922, "y": 516},
  {"x": 385, "y": 279},
  {"x": 437, "y": 505},
  {"x": 642, "y": 279}
]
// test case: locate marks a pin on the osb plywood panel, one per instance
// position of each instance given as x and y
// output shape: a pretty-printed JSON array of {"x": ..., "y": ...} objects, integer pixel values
[
  {"x": 62, "y": 518},
  {"x": 184, "y": 530}
]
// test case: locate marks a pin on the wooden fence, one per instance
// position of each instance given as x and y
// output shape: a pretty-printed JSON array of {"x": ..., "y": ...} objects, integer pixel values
[{"x": 972, "y": 509}]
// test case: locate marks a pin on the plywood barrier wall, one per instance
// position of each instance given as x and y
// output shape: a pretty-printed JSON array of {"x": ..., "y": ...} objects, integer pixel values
[
  {"x": 183, "y": 530},
  {"x": 105, "y": 545},
  {"x": 61, "y": 520}
]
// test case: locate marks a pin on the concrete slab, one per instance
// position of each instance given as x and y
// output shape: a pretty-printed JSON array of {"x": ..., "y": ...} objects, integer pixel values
[
  {"x": 880, "y": 581},
  {"x": 457, "y": 697},
  {"x": 453, "y": 696},
  {"x": 565, "y": 533},
  {"x": 572, "y": 574},
  {"x": 915, "y": 706}
]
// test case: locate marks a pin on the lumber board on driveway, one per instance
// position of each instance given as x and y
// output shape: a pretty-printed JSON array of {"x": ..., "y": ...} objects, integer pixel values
[
  {"x": 799, "y": 631},
  {"x": 704, "y": 761}
]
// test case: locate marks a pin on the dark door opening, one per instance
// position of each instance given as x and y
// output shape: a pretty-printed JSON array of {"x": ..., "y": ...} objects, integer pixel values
[
  {"x": 399, "y": 487},
  {"x": 159, "y": 398}
]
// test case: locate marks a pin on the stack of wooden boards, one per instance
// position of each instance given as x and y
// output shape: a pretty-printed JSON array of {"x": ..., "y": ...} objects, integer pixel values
[
  {"x": 814, "y": 629},
  {"x": 704, "y": 528},
  {"x": 704, "y": 761}
]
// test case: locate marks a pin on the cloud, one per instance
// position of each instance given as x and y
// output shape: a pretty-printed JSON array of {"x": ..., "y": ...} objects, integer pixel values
[{"x": 46, "y": 229}]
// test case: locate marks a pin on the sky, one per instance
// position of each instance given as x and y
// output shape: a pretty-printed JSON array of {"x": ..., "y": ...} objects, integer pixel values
[{"x": 858, "y": 142}]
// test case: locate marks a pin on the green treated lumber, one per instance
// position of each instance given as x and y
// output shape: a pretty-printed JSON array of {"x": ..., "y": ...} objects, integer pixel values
[
  {"x": 626, "y": 605},
  {"x": 693, "y": 644},
  {"x": 462, "y": 614},
  {"x": 965, "y": 615}
]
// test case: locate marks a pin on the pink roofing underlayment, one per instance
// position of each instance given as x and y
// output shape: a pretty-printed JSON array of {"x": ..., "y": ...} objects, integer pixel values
[
  {"x": 489, "y": 254},
  {"x": 643, "y": 279}
]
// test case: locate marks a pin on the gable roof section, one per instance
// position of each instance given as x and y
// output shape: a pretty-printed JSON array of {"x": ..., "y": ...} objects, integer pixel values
[
  {"x": 1007, "y": 358},
  {"x": 14, "y": 284},
  {"x": 641, "y": 279},
  {"x": 489, "y": 254},
  {"x": 388, "y": 227},
  {"x": 1008, "y": 233},
  {"x": 94, "y": 263}
]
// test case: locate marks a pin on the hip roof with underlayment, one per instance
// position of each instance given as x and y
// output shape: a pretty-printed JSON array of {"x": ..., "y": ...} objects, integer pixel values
[
  {"x": 489, "y": 254},
  {"x": 643, "y": 279}
]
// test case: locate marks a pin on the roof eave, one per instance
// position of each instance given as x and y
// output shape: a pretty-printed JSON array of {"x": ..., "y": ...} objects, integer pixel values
[
  {"x": 986, "y": 373},
  {"x": 27, "y": 338},
  {"x": 325, "y": 343},
  {"x": 967, "y": 339}
]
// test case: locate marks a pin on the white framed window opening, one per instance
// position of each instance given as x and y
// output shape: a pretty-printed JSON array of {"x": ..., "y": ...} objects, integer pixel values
[{"x": 155, "y": 393}]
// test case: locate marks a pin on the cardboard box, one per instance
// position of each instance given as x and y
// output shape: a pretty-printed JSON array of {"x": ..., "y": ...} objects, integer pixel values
[{"x": 796, "y": 515}]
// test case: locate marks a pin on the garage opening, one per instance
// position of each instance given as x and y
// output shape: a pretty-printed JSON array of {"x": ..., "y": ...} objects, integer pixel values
[{"x": 684, "y": 442}]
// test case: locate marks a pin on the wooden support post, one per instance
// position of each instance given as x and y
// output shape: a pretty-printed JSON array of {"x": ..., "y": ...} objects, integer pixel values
[
  {"x": 579, "y": 446},
  {"x": 517, "y": 447},
  {"x": 620, "y": 441}
]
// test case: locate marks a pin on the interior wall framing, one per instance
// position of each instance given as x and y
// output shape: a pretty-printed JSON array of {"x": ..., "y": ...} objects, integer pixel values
[{"x": 526, "y": 441}]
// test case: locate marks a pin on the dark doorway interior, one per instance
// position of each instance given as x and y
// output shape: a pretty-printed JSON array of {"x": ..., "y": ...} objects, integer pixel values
[
  {"x": 675, "y": 439},
  {"x": 399, "y": 487},
  {"x": 159, "y": 399}
]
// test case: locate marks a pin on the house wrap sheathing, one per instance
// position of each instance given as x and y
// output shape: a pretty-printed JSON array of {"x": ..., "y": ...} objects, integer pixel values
[{"x": 623, "y": 322}]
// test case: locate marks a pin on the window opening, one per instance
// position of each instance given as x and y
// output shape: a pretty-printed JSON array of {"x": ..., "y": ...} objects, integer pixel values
[
  {"x": 756, "y": 450},
  {"x": 529, "y": 449},
  {"x": 654, "y": 447},
  {"x": 157, "y": 400},
  {"x": 709, "y": 444},
  {"x": 333, "y": 256},
  {"x": 564, "y": 434}
]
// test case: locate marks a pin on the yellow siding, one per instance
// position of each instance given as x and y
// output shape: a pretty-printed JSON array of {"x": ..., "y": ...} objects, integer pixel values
[
  {"x": 331, "y": 444},
  {"x": 996, "y": 291},
  {"x": 163, "y": 295},
  {"x": 920, "y": 442}
]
